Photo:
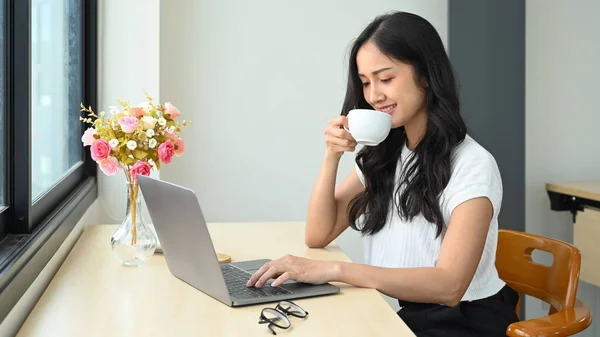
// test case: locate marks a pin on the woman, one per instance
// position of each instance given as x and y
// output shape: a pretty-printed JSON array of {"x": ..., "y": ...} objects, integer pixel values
[{"x": 426, "y": 199}]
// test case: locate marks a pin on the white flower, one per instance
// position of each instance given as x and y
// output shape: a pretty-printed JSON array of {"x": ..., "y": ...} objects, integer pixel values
[
  {"x": 148, "y": 122},
  {"x": 113, "y": 143},
  {"x": 149, "y": 133},
  {"x": 131, "y": 145},
  {"x": 114, "y": 110},
  {"x": 152, "y": 143},
  {"x": 162, "y": 121},
  {"x": 171, "y": 129}
]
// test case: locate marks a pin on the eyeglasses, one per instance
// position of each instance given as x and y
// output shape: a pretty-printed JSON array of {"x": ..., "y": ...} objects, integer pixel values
[{"x": 279, "y": 316}]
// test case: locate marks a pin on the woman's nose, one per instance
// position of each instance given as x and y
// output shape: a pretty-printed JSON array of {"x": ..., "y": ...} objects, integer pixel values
[{"x": 375, "y": 95}]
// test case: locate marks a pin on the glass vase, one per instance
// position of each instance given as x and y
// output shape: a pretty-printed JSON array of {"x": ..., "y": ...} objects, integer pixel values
[{"x": 134, "y": 241}]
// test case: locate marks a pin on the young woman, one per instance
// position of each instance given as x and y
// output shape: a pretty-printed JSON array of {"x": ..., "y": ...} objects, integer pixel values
[{"x": 426, "y": 199}]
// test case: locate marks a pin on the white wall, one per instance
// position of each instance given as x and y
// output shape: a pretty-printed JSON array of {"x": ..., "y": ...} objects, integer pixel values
[{"x": 562, "y": 116}]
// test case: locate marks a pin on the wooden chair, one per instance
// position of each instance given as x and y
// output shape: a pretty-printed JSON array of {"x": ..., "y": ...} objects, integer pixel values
[{"x": 556, "y": 284}]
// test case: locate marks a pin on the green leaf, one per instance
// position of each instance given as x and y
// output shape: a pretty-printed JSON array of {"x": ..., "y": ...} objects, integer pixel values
[
  {"x": 124, "y": 157},
  {"x": 130, "y": 161},
  {"x": 139, "y": 154}
]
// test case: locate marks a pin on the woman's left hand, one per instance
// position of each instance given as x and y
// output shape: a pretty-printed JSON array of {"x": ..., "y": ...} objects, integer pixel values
[{"x": 294, "y": 268}]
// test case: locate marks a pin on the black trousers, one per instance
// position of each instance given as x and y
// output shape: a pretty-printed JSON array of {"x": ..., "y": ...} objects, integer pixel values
[{"x": 485, "y": 317}]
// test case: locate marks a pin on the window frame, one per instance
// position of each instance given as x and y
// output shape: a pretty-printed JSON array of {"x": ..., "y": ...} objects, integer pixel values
[{"x": 32, "y": 232}]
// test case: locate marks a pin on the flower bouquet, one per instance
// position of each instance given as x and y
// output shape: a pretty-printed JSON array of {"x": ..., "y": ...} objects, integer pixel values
[{"x": 135, "y": 139}]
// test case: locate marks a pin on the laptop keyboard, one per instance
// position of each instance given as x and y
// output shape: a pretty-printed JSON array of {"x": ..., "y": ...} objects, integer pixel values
[{"x": 236, "y": 279}]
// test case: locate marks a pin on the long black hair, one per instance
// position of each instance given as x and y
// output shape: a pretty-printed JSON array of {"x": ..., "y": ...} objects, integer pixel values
[{"x": 410, "y": 39}]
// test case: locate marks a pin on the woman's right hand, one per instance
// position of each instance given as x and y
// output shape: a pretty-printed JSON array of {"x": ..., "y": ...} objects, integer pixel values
[{"x": 337, "y": 139}]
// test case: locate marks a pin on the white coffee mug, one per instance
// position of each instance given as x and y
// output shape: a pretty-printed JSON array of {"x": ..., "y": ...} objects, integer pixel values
[{"x": 369, "y": 127}]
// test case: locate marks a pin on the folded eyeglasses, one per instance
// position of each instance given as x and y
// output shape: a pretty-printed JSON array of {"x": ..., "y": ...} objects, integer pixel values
[{"x": 279, "y": 316}]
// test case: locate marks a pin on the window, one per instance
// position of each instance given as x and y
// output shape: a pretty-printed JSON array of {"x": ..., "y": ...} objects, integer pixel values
[
  {"x": 56, "y": 91},
  {"x": 47, "y": 180}
]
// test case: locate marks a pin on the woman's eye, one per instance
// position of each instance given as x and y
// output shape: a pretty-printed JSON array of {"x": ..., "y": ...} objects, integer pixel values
[
  {"x": 386, "y": 80},
  {"x": 366, "y": 84}
]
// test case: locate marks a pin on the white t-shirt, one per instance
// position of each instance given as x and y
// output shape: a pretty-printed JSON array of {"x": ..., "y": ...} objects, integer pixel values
[{"x": 402, "y": 244}]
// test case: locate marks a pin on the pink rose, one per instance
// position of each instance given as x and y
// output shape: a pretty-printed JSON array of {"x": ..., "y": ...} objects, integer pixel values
[
  {"x": 166, "y": 151},
  {"x": 137, "y": 111},
  {"x": 110, "y": 166},
  {"x": 179, "y": 147},
  {"x": 88, "y": 137},
  {"x": 171, "y": 110},
  {"x": 141, "y": 167},
  {"x": 100, "y": 150},
  {"x": 128, "y": 124}
]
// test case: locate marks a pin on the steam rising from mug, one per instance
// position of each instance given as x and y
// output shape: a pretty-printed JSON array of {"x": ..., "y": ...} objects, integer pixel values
[{"x": 369, "y": 127}]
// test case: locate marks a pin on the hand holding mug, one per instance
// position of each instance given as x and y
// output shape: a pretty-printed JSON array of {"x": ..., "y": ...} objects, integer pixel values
[{"x": 337, "y": 139}]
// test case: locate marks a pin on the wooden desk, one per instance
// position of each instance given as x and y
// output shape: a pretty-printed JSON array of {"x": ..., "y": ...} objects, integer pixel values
[
  {"x": 582, "y": 199},
  {"x": 584, "y": 190},
  {"x": 92, "y": 295}
]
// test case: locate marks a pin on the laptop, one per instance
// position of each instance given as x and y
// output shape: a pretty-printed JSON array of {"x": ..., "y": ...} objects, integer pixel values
[{"x": 191, "y": 257}]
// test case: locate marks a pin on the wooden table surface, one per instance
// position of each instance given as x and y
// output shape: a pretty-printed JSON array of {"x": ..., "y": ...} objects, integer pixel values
[
  {"x": 587, "y": 190},
  {"x": 93, "y": 295}
]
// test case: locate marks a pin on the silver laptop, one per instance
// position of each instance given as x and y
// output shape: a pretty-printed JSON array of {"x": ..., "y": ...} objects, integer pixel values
[{"x": 190, "y": 255}]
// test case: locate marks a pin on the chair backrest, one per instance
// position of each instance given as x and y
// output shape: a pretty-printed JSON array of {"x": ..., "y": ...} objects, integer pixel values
[{"x": 555, "y": 284}]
